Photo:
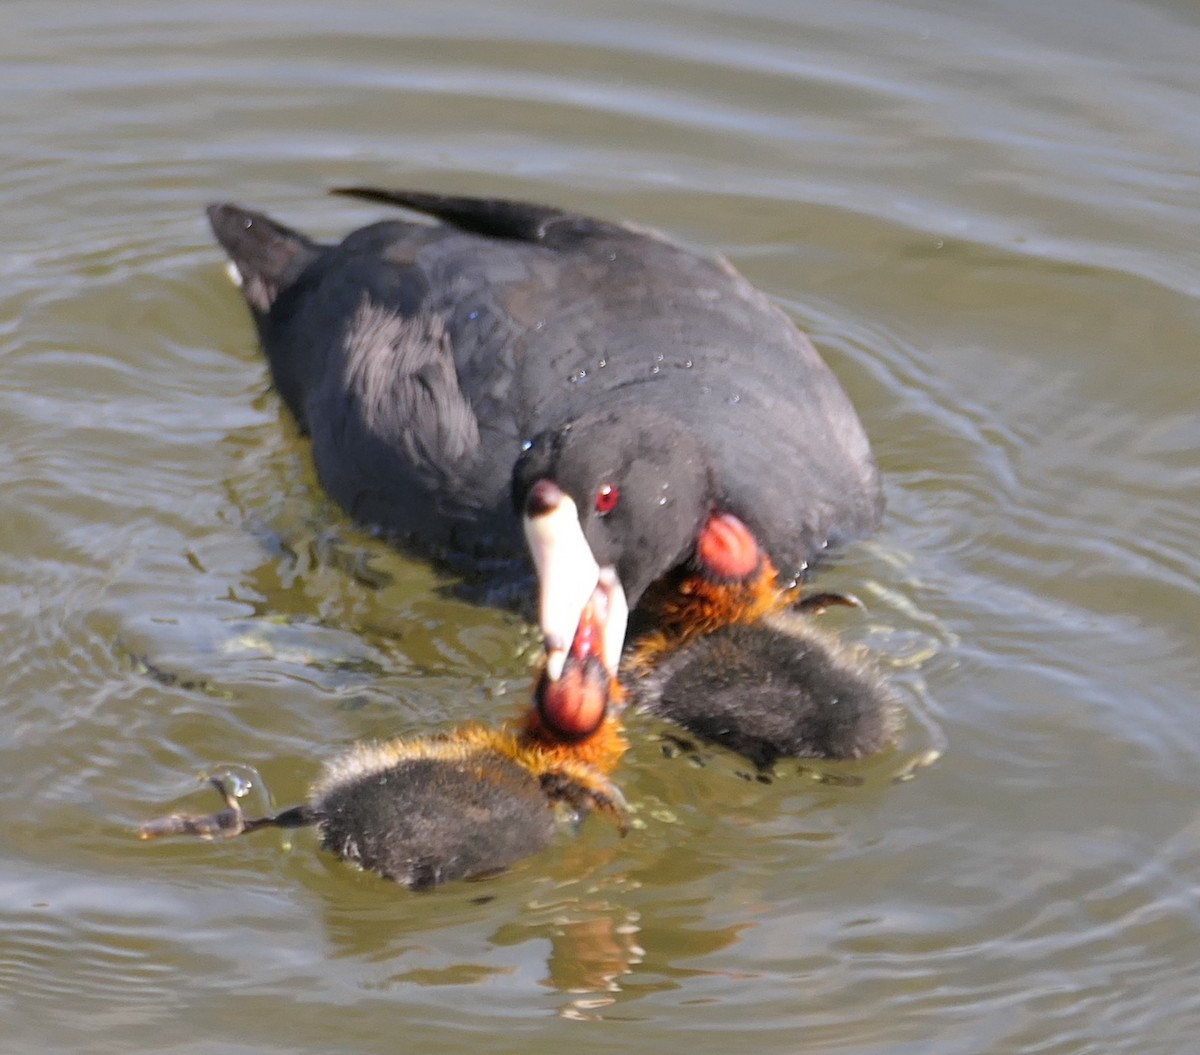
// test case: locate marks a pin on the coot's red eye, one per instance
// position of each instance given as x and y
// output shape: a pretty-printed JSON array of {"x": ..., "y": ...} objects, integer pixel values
[{"x": 606, "y": 499}]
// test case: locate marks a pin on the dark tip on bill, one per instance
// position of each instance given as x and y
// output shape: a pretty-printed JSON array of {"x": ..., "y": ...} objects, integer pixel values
[{"x": 544, "y": 497}]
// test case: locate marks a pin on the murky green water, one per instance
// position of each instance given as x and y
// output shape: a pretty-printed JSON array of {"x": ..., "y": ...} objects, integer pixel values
[{"x": 985, "y": 214}]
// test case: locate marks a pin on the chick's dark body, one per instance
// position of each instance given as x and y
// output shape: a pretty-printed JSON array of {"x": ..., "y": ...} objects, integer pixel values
[
  {"x": 775, "y": 688},
  {"x": 423, "y": 822}
]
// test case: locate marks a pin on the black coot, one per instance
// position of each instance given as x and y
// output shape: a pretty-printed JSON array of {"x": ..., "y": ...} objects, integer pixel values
[{"x": 629, "y": 398}]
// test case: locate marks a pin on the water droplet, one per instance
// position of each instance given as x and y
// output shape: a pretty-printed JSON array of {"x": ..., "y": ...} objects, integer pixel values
[
  {"x": 239, "y": 780},
  {"x": 655, "y": 369},
  {"x": 687, "y": 364},
  {"x": 658, "y": 358},
  {"x": 662, "y": 500},
  {"x": 526, "y": 445},
  {"x": 603, "y": 363},
  {"x": 735, "y": 398},
  {"x": 472, "y": 315}
]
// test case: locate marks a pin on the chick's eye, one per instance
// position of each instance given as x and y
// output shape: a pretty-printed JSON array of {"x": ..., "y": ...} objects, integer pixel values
[{"x": 606, "y": 499}]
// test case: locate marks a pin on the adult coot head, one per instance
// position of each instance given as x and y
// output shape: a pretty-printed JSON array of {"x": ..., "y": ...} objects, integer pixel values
[{"x": 612, "y": 502}]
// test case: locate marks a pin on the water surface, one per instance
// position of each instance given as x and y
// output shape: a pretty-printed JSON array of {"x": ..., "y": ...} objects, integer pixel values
[{"x": 984, "y": 214}]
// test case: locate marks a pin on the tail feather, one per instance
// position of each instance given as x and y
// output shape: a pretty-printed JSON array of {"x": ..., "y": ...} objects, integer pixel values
[
  {"x": 266, "y": 256},
  {"x": 492, "y": 217}
]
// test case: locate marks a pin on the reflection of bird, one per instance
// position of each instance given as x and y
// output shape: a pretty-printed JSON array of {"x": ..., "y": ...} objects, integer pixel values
[
  {"x": 644, "y": 407},
  {"x": 425, "y": 811},
  {"x": 772, "y": 687}
]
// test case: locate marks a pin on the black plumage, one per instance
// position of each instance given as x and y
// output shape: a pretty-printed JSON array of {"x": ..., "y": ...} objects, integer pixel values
[
  {"x": 427, "y": 821},
  {"x": 430, "y": 810},
  {"x": 775, "y": 688},
  {"x": 424, "y": 358}
]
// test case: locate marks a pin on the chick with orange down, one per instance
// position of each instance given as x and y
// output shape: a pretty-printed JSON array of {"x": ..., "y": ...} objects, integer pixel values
[
  {"x": 726, "y": 655},
  {"x": 428, "y": 810}
]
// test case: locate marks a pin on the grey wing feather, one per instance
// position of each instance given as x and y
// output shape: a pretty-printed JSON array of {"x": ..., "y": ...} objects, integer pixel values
[{"x": 392, "y": 417}]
